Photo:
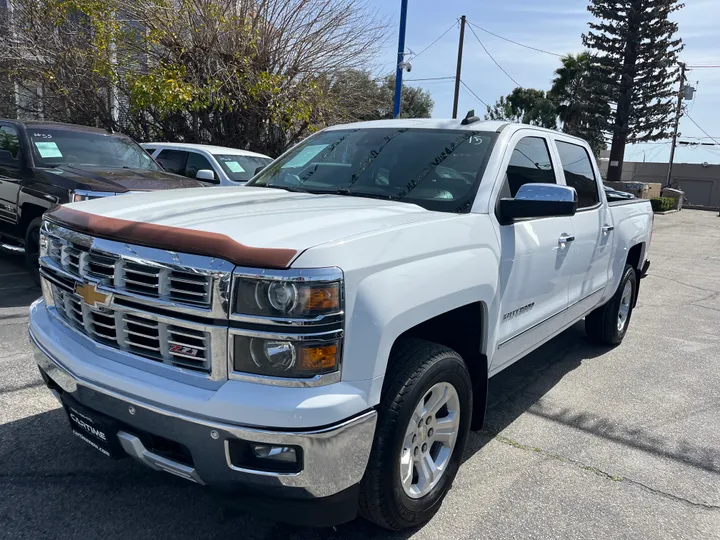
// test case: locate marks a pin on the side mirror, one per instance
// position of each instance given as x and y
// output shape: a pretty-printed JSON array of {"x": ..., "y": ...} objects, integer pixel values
[
  {"x": 258, "y": 169},
  {"x": 539, "y": 200},
  {"x": 205, "y": 174}
]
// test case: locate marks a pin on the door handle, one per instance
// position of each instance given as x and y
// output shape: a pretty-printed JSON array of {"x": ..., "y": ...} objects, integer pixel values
[
  {"x": 607, "y": 228},
  {"x": 565, "y": 238}
]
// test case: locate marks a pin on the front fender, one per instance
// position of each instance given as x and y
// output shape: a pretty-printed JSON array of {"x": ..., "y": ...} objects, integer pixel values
[
  {"x": 399, "y": 277},
  {"x": 390, "y": 302}
]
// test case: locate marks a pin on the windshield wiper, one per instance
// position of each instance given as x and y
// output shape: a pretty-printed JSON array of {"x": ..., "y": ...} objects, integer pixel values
[
  {"x": 346, "y": 191},
  {"x": 291, "y": 189}
]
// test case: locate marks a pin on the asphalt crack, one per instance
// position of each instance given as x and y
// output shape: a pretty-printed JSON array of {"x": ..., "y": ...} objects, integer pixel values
[{"x": 599, "y": 472}]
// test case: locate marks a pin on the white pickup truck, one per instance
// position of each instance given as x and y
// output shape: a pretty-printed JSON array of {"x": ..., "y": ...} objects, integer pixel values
[{"x": 325, "y": 336}]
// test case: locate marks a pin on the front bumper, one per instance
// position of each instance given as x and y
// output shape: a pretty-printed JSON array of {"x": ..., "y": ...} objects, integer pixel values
[{"x": 334, "y": 458}]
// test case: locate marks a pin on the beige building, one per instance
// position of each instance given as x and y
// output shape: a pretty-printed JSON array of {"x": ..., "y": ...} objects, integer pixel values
[{"x": 699, "y": 181}]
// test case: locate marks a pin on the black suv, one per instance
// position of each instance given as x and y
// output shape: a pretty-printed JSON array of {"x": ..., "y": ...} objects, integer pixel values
[{"x": 44, "y": 163}]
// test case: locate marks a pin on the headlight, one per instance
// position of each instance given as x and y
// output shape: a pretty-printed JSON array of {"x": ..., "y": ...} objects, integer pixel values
[
  {"x": 285, "y": 358},
  {"x": 79, "y": 196},
  {"x": 287, "y": 324},
  {"x": 44, "y": 244},
  {"x": 287, "y": 299},
  {"x": 82, "y": 195}
]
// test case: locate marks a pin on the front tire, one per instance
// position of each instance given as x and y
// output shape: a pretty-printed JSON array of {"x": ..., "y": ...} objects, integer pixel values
[
  {"x": 608, "y": 324},
  {"x": 32, "y": 249},
  {"x": 423, "y": 424}
]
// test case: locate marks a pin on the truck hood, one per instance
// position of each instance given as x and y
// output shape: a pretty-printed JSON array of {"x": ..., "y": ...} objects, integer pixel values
[
  {"x": 123, "y": 180},
  {"x": 261, "y": 217}
]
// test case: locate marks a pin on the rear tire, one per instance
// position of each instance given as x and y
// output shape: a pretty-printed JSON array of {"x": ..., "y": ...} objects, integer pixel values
[
  {"x": 32, "y": 249},
  {"x": 426, "y": 385},
  {"x": 608, "y": 324}
]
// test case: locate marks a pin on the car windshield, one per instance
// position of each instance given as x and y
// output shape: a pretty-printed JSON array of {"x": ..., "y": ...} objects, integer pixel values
[
  {"x": 433, "y": 168},
  {"x": 241, "y": 168},
  {"x": 57, "y": 147}
]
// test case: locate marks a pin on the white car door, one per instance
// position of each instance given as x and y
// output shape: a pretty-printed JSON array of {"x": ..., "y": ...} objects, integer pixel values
[
  {"x": 534, "y": 270},
  {"x": 590, "y": 253}
]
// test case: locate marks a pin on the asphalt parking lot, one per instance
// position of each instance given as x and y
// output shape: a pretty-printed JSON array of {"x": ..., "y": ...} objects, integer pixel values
[{"x": 581, "y": 441}]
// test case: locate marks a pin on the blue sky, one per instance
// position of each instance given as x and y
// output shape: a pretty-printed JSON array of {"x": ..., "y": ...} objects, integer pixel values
[{"x": 552, "y": 25}]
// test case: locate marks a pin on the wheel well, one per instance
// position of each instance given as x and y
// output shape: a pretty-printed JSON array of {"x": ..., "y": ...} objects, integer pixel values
[
  {"x": 462, "y": 330},
  {"x": 634, "y": 255},
  {"x": 28, "y": 212}
]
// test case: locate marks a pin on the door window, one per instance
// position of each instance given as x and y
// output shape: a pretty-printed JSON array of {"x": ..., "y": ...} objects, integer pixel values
[
  {"x": 10, "y": 141},
  {"x": 530, "y": 163},
  {"x": 173, "y": 160},
  {"x": 579, "y": 173},
  {"x": 196, "y": 162}
]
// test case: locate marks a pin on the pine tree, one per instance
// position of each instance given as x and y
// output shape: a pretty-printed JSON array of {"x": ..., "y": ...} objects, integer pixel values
[{"x": 634, "y": 67}]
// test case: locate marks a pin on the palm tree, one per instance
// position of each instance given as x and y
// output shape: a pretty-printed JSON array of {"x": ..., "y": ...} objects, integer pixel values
[{"x": 580, "y": 115}]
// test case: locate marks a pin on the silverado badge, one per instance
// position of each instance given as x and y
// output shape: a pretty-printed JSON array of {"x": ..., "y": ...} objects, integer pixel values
[{"x": 91, "y": 296}]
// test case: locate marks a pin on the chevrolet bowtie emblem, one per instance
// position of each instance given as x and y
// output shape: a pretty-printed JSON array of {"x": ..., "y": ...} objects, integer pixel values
[{"x": 91, "y": 296}]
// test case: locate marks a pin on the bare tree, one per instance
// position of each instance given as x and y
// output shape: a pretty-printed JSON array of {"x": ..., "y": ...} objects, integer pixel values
[{"x": 245, "y": 73}]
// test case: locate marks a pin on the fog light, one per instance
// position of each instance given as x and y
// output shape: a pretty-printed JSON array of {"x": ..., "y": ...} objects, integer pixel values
[
  {"x": 284, "y": 454},
  {"x": 264, "y": 457}
]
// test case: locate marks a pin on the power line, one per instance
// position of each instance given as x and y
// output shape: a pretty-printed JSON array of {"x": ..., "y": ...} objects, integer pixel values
[
  {"x": 704, "y": 67},
  {"x": 701, "y": 129},
  {"x": 431, "y": 79},
  {"x": 473, "y": 93},
  {"x": 493, "y": 59},
  {"x": 515, "y": 42},
  {"x": 438, "y": 39}
]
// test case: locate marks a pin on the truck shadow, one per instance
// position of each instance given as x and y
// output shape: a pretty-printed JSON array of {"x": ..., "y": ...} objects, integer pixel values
[
  {"x": 53, "y": 485},
  {"x": 517, "y": 388},
  {"x": 17, "y": 288}
]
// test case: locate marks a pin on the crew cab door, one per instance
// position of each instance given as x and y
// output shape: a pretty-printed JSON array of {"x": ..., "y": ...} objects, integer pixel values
[
  {"x": 589, "y": 254},
  {"x": 534, "y": 270},
  {"x": 10, "y": 168}
]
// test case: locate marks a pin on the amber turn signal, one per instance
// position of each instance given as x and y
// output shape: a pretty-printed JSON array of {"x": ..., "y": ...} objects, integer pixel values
[
  {"x": 319, "y": 358},
  {"x": 324, "y": 299}
]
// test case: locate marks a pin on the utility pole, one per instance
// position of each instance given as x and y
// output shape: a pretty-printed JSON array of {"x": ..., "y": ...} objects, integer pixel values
[
  {"x": 678, "y": 113},
  {"x": 459, "y": 66},
  {"x": 400, "y": 59}
]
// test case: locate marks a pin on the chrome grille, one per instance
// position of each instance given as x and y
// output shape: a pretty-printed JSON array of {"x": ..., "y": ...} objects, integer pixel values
[
  {"x": 165, "y": 306},
  {"x": 174, "y": 344},
  {"x": 143, "y": 278}
]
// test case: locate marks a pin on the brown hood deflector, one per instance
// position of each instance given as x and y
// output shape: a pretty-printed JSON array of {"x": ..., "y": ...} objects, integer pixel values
[{"x": 171, "y": 238}]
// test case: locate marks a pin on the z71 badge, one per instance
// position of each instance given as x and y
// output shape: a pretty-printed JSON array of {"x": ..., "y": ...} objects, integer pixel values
[
  {"x": 181, "y": 349},
  {"x": 518, "y": 311}
]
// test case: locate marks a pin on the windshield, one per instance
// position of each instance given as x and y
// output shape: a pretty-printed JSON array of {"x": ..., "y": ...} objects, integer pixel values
[
  {"x": 436, "y": 169},
  {"x": 241, "y": 168},
  {"x": 56, "y": 147}
]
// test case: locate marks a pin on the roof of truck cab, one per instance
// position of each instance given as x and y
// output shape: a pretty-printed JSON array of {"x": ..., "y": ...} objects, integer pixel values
[
  {"x": 445, "y": 123},
  {"x": 222, "y": 150},
  {"x": 44, "y": 124},
  {"x": 424, "y": 123}
]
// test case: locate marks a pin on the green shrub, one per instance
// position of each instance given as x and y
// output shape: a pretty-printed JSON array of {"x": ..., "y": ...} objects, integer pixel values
[{"x": 663, "y": 204}]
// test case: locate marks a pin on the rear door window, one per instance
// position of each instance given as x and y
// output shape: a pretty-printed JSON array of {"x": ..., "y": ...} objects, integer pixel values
[
  {"x": 173, "y": 160},
  {"x": 579, "y": 173}
]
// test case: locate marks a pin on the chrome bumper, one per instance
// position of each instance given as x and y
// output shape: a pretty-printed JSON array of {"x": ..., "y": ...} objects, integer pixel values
[{"x": 334, "y": 457}]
